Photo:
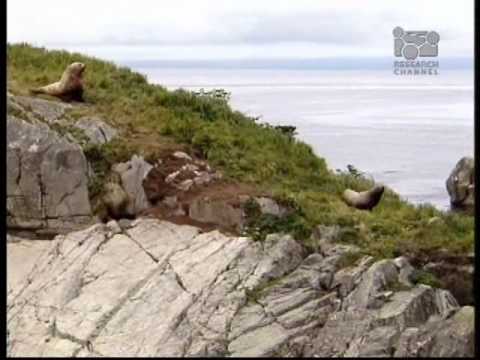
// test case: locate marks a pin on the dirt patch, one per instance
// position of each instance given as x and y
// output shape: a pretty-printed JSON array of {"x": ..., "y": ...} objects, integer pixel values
[
  {"x": 178, "y": 183},
  {"x": 160, "y": 212}
]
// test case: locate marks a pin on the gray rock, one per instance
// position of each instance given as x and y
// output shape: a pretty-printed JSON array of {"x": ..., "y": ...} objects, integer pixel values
[
  {"x": 105, "y": 290},
  {"x": 95, "y": 129},
  {"x": 414, "y": 307},
  {"x": 270, "y": 206},
  {"x": 46, "y": 179},
  {"x": 21, "y": 262},
  {"x": 132, "y": 174},
  {"x": 405, "y": 271},
  {"x": 379, "y": 342},
  {"x": 345, "y": 280},
  {"x": 374, "y": 280},
  {"x": 454, "y": 337},
  {"x": 340, "y": 330},
  {"x": 461, "y": 184},
  {"x": 45, "y": 110},
  {"x": 155, "y": 277}
]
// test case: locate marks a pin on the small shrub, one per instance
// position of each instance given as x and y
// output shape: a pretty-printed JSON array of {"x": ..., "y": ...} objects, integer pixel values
[{"x": 427, "y": 278}]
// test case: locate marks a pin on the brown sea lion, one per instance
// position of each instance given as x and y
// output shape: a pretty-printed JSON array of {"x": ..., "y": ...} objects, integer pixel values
[
  {"x": 116, "y": 200},
  {"x": 70, "y": 86},
  {"x": 365, "y": 200}
]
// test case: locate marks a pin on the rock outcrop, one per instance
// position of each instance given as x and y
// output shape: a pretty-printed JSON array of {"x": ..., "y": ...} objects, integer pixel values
[
  {"x": 132, "y": 173},
  {"x": 47, "y": 111},
  {"x": 461, "y": 184},
  {"x": 153, "y": 288},
  {"x": 183, "y": 188},
  {"x": 46, "y": 179},
  {"x": 97, "y": 131}
]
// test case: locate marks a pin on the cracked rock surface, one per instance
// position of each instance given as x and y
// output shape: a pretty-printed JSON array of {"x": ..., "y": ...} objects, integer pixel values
[
  {"x": 97, "y": 131},
  {"x": 46, "y": 179},
  {"x": 154, "y": 288}
]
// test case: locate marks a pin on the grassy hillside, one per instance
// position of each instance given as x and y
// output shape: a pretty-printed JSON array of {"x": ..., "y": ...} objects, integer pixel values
[{"x": 245, "y": 150}]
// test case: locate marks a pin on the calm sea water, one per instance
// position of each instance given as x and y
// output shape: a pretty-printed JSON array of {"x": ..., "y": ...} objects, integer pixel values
[{"x": 407, "y": 132}]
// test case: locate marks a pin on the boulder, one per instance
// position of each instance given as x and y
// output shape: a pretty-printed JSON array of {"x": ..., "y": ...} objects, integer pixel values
[
  {"x": 461, "y": 184},
  {"x": 270, "y": 206},
  {"x": 46, "y": 179},
  {"x": 454, "y": 337},
  {"x": 105, "y": 290},
  {"x": 45, "y": 110},
  {"x": 132, "y": 174},
  {"x": 97, "y": 131}
]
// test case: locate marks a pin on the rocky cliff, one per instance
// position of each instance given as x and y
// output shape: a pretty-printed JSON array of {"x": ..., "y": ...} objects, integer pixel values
[{"x": 153, "y": 288}]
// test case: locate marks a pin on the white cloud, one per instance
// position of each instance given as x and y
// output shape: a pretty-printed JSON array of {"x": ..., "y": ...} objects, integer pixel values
[{"x": 235, "y": 29}]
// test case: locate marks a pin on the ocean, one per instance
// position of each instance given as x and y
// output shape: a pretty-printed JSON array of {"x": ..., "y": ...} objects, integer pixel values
[{"x": 407, "y": 132}]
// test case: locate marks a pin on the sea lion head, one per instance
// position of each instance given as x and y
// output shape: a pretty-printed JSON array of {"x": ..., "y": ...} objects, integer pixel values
[
  {"x": 377, "y": 190},
  {"x": 76, "y": 69},
  {"x": 71, "y": 83},
  {"x": 375, "y": 194}
]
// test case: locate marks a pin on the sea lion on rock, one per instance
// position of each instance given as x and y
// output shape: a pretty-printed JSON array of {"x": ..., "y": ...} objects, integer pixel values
[
  {"x": 70, "y": 86},
  {"x": 114, "y": 201},
  {"x": 365, "y": 200}
]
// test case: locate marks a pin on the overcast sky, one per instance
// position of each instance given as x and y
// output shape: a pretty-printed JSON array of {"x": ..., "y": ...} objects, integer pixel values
[{"x": 216, "y": 29}]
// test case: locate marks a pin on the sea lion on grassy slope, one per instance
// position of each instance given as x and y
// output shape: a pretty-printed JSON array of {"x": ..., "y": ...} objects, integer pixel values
[
  {"x": 70, "y": 86},
  {"x": 365, "y": 200}
]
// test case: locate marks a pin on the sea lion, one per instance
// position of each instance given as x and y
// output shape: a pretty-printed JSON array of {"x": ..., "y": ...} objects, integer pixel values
[
  {"x": 70, "y": 86},
  {"x": 365, "y": 200},
  {"x": 114, "y": 201}
]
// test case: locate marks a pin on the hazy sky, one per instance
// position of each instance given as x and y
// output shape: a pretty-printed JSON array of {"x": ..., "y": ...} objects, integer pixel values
[{"x": 216, "y": 29}]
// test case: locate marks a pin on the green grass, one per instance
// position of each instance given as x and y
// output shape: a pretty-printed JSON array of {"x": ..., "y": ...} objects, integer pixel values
[
  {"x": 270, "y": 158},
  {"x": 427, "y": 278}
]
